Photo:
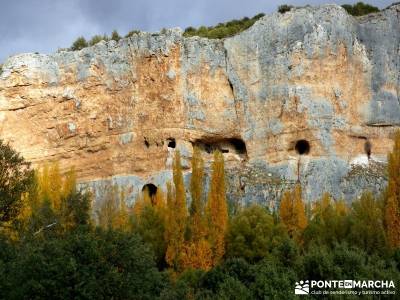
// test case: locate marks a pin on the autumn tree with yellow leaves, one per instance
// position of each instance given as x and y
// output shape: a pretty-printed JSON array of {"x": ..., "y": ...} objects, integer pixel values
[
  {"x": 292, "y": 212},
  {"x": 392, "y": 196},
  {"x": 197, "y": 252},
  {"x": 176, "y": 217},
  {"x": 217, "y": 211},
  {"x": 113, "y": 211}
]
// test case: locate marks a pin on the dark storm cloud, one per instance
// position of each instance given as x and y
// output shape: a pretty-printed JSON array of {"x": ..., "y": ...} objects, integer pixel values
[{"x": 45, "y": 25}]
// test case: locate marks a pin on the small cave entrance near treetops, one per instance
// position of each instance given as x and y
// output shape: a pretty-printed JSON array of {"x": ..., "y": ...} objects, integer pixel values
[
  {"x": 150, "y": 189},
  {"x": 225, "y": 145},
  {"x": 302, "y": 147}
]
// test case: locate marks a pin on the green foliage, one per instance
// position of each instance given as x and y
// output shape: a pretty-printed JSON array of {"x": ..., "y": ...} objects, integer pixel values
[
  {"x": 223, "y": 30},
  {"x": 151, "y": 227},
  {"x": 83, "y": 264},
  {"x": 97, "y": 39},
  {"x": 367, "y": 230},
  {"x": 360, "y": 9},
  {"x": 284, "y": 8},
  {"x": 115, "y": 36},
  {"x": 16, "y": 178},
  {"x": 79, "y": 44},
  {"x": 329, "y": 223},
  {"x": 252, "y": 234},
  {"x": 131, "y": 33}
]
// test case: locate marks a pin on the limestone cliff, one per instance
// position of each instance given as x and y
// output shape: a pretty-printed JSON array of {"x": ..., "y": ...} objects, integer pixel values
[{"x": 306, "y": 95}]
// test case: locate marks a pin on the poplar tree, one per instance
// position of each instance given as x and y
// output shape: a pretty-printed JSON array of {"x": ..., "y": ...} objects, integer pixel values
[
  {"x": 177, "y": 215},
  {"x": 392, "y": 196},
  {"x": 217, "y": 208},
  {"x": 197, "y": 251},
  {"x": 197, "y": 225},
  {"x": 292, "y": 212}
]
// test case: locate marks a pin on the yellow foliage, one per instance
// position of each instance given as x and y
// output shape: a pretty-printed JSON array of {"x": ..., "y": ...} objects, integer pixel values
[
  {"x": 392, "y": 196},
  {"x": 113, "y": 211},
  {"x": 197, "y": 215},
  {"x": 217, "y": 211},
  {"x": 197, "y": 255},
  {"x": 292, "y": 212},
  {"x": 176, "y": 217}
]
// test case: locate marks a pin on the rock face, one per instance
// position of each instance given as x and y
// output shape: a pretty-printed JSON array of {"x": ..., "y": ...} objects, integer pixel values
[{"x": 308, "y": 95}]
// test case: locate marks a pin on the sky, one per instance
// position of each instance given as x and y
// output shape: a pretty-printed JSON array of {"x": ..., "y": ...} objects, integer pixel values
[{"x": 46, "y": 25}]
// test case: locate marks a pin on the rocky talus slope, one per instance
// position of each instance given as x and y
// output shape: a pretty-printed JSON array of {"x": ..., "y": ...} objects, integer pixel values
[{"x": 307, "y": 95}]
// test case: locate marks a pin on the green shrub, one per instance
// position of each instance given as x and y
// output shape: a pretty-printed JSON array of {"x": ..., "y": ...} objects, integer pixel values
[
  {"x": 115, "y": 36},
  {"x": 79, "y": 44},
  {"x": 284, "y": 8},
  {"x": 97, "y": 39},
  {"x": 131, "y": 33},
  {"x": 360, "y": 9},
  {"x": 223, "y": 30}
]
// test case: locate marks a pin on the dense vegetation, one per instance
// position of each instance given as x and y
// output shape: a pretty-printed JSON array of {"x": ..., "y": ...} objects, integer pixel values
[
  {"x": 360, "y": 9},
  {"x": 81, "y": 42},
  {"x": 223, "y": 30},
  {"x": 55, "y": 245}
]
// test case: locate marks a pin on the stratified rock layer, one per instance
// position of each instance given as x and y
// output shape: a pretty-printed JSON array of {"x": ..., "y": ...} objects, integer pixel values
[{"x": 307, "y": 95}]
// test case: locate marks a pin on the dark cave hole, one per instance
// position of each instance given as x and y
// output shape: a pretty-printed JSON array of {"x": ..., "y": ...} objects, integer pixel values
[
  {"x": 302, "y": 147},
  {"x": 150, "y": 188},
  {"x": 146, "y": 143},
  {"x": 239, "y": 145},
  {"x": 225, "y": 145},
  {"x": 368, "y": 148},
  {"x": 230, "y": 85},
  {"x": 171, "y": 143}
]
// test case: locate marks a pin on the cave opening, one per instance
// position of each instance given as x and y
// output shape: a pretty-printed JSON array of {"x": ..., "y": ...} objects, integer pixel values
[
  {"x": 150, "y": 189},
  {"x": 368, "y": 148},
  {"x": 146, "y": 143},
  {"x": 225, "y": 145},
  {"x": 171, "y": 143},
  {"x": 302, "y": 147},
  {"x": 239, "y": 145}
]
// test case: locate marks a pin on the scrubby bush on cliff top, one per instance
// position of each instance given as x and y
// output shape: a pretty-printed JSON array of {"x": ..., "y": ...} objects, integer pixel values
[
  {"x": 360, "y": 9},
  {"x": 223, "y": 30},
  {"x": 81, "y": 42}
]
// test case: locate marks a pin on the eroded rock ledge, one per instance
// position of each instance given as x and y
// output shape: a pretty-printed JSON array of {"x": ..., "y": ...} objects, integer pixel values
[{"x": 299, "y": 96}]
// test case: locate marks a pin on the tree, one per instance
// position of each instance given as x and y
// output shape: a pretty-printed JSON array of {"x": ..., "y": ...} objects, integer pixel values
[
  {"x": 113, "y": 212},
  {"x": 392, "y": 195},
  {"x": 75, "y": 210},
  {"x": 83, "y": 264},
  {"x": 360, "y": 9},
  {"x": 79, "y": 44},
  {"x": 292, "y": 212},
  {"x": 16, "y": 178},
  {"x": 150, "y": 222},
  {"x": 250, "y": 234},
  {"x": 97, "y": 39},
  {"x": 284, "y": 8},
  {"x": 328, "y": 223},
  {"x": 367, "y": 231},
  {"x": 176, "y": 217},
  {"x": 197, "y": 250},
  {"x": 115, "y": 36},
  {"x": 217, "y": 212},
  {"x": 197, "y": 222}
]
